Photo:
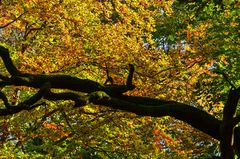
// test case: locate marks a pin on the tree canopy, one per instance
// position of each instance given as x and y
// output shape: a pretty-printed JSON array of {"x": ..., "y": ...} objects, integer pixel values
[{"x": 119, "y": 79}]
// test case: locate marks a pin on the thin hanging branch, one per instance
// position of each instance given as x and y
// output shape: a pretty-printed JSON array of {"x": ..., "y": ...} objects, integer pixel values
[
  {"x": 6, "y": 25},
  {"x": 109, "y": 78},
  {"x": 227, "y": 79},
  {"x": 225, "y": 76}
]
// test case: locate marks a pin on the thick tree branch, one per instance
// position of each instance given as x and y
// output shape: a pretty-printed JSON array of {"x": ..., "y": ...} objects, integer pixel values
[
  {"x": 130, "y": 77},
  {"x": 4, "y": 78},
  {"x": 193, "y": 116},
  {"x": 227, "y": 126},
  {"x": 112, "y": 96},
  {"x": 56, "y": 81},
  {"x": 19, "y": 108},
  {"x": 35, "y": 98},
  {"x": 4, "y": 53},
  {"x": 231, "y": 106},
  {"x": 5, "y": 100},
  {"x": 120, "y": 89},
  {"x": 26, "y": 105},
  {"x": 139, "y": 105},
  {"x": 80, "y": 100}
]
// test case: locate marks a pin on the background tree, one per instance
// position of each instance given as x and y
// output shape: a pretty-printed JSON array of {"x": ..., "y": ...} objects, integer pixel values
[{"x": 191, "y": 47}]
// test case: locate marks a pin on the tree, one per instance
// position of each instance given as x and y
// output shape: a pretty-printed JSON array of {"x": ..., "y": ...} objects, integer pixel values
[
  {"x": 44, "y": 37},
  {"x": 112, "y": 96}
]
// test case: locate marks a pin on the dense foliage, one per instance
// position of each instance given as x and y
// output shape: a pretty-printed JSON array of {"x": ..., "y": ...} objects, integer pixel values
[{"x": 183, "y": 51}]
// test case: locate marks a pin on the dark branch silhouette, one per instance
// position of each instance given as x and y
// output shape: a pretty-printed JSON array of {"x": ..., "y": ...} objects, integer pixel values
[{"x": 113, "y": 96}]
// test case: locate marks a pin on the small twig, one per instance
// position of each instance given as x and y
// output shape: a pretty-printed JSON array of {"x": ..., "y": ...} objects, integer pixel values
[
  {"x": 6, "y": 25},
  {"x": 236, "y": 120},
  {"x": 109, "y": 78},
  {"x": 28, "y": 30},
  {"x": 67, "y": 121},
  {"x": 37, "y": 124},
  {"x": 226, "y": 78}
]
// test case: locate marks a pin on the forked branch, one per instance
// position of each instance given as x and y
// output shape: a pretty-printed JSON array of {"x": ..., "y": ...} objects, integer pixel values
[
  {"x": 28, "y": 104},
  {"x": 112, "y": 96}
]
